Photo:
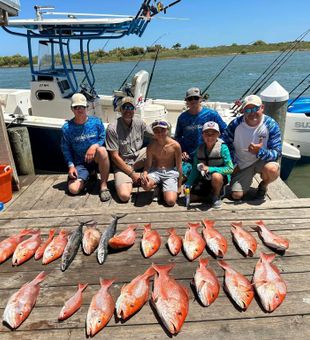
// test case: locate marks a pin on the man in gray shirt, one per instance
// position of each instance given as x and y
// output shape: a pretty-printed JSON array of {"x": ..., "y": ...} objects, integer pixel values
[{"x": 124, "y": 141}]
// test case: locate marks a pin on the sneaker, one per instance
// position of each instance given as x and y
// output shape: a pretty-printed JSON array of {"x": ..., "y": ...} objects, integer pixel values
[
  {"x": 217, "y": 203},
  {"x": 261, "y": 191}
]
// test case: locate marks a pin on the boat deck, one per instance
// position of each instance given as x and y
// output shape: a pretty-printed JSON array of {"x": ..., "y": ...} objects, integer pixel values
[{"x": 42, "y": 203}]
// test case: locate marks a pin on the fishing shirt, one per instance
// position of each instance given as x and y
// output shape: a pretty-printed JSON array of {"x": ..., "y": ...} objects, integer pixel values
[
  {"x": 189, "y": 129},
  {"x": 77, "y": 138},
  {"x": 224, "y": 170},
  {"x": 239, "y": 135}
]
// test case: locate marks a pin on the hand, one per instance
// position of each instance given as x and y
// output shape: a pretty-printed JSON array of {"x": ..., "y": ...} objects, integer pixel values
[
  {"x": 135, "y": 177},
  {"x": 236, "y": 170},
  {"x": 254, "y": 148},
  {"x": 72, "y": 173},
  {"x": 179, "y": 190},
  {"x": 90, "y": 153},
  {"x": 144, "y": 178},
  {"x": 185, "y": 156}
]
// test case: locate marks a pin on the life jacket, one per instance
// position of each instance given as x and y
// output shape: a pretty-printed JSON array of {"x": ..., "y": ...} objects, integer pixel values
[{"x": 213, "y": 158}]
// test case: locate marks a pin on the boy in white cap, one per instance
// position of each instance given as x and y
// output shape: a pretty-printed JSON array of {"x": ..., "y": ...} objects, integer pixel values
[
  {"x": 254, "y": 140},
  {"x": 188, "y": 132},
  {"x": 82, "y": 146},
  {"x": 163, "y": 164},
  {"x": 212, "y": 166}
]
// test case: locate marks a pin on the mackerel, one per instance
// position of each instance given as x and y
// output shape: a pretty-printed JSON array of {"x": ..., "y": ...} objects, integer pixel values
[
  {"x": 72, "y": 247},
  {"x": 110, "y": 231}
]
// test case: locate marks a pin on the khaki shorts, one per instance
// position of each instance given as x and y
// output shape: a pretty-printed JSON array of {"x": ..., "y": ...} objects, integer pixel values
[
  {"x": 121, "y": 178},
  {"x": 242, "y": 180}
]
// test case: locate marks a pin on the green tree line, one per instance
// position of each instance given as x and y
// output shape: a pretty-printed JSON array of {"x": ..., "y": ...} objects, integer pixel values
[{"x": 176, "y": 51}]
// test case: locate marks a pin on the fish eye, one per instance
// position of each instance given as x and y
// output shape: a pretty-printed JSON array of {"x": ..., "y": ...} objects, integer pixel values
[{"x": 99, "y": 321}]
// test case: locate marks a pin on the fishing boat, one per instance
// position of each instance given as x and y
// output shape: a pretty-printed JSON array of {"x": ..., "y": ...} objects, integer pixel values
[{"x": 45, "y": 106}]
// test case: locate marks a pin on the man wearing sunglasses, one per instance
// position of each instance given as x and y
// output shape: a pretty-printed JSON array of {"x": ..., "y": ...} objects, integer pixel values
[
  {"x": 189, "y": 126},
  {"x": 254, "y": 140},
  {"x": 83, "y": 150},
  {"x": 124, "y": 142}
]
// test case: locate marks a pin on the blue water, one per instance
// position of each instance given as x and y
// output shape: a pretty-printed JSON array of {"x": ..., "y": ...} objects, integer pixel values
[{"x": 172, "y": 78}]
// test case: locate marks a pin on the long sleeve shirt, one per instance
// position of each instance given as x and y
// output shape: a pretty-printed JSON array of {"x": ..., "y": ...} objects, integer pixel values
[{"x": 77, "y": 138}]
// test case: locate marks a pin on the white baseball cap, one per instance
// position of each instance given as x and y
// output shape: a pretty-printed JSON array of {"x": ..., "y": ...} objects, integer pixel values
[{"x": 210, "y": 126}]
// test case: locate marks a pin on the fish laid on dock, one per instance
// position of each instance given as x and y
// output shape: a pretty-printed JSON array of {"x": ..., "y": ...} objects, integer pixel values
[
  {"x": 40, "y": 251},
  {"x": 268, "y": 283},
  {"x": 55, "y": 249},
  {"x": 102, "y": 251},
  {"x": 8, "y": 245},
  {"x": 193, "y": 243},
  {"x": 216, "y": 242},
  {"x": 206, "y": 283},
  {"x": 72, "y": 247},
  {"x": 91, "y": 238},
  {"x": 101, "y": 309},
  {"x": 170, "y": 299},
  {"x": 73, "y": 304},
  {"x": 245, "y": 241},
  {"x": 151, "y": 241},
  {"x": 269, "y": 238},
  {"x": 26, "y": 249},
  {"x": 134, "y": 295},
  {"x": 174, "y": 242},
  {"x": 237, "y": 286},
  {"x": 125, "y": 239},
  {"x": 21, "y": 303}
]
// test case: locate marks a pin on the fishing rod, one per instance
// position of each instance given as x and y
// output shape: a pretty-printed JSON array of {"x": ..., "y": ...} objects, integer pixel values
[
  {"x": 138, "y": 62},
  {"x": 204, "y": 92},
  {"x": 162, "y": 8},
  {"x": 281, "y": 56},
  {"x": 300, "y": 94},
  {"x": 151, "y": 77},
  {"x": 299, "y": 84}
]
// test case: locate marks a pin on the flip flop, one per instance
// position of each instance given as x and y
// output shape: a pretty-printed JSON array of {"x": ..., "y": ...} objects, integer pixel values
[{"x": 105, "y": 195}]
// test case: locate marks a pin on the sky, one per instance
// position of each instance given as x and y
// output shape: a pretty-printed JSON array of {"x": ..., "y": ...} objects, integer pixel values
[{"x": 209, "y": 23}]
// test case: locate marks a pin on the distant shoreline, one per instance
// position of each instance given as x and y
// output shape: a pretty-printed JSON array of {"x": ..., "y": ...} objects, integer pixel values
[{"x": 121, "y": 54}]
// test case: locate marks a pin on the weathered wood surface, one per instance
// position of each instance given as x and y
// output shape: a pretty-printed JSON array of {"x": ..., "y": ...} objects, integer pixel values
[{"x": 289, "y": 218}]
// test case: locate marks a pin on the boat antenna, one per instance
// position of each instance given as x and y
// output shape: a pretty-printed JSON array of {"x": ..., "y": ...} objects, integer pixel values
[
  {"x": 139, "y": 60},
  {"x": 151, "y": 76},
  {"x": 271, "y": 67},
  {"x": 204, "y": 92}
]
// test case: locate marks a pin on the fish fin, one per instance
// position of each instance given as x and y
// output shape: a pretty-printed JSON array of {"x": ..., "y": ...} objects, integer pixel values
[
  {"x": 223, "y": 264},
  {"x": 147, "y": 226},
  {"x": 194, "y": 225},
  {"x": 51, "y": 233},
  {"x": 171, "y": 231},
  {"x": 39, "y": 278},
  {"x": 82, "y": 286},
  {"x": 208, "y": 223},
  {"x": 133, "y": 226}
]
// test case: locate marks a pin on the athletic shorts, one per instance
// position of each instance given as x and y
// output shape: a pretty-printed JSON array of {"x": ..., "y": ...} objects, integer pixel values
[
  {"x": 121, "y": 178},
  {"x": 167, "y": 178},
  {"x": 85, "y": 169},
  {"x": 203, "y": 187},
  {"x": 242, "y": 180}
]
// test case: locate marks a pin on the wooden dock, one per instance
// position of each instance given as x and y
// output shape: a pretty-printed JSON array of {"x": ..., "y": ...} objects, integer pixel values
[{"x": 42, "y": 203}]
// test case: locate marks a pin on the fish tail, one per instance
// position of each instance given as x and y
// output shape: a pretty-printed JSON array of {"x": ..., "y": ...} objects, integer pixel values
[
  {"x": 203, "y": 262},
  {"x": 236, "y": 225},
  {"x": 260, "y": 223},
  {"x": 147, "y": 226},
  {"x": 82, "y": 286},
  {"x": 194, "y": 225},
  {"x": 223, "y": 264},
  {"x": 150, "y": 272},
  {"x": 26, "y": 232},
  {"x": 63, "y": 233},
  {"x": 104, "y": 283},
  {"x": 51, "y": 233},
  {"x": 171, "y": 231},
  {"x": 163, "y": 269},
  {"x": 118, "y": 216},
  {"x": 90, "y": 223},
  {"x": 208, "y": 223},
  {"x": 267, "y": 257},
  {"x": 133, "y": 226},
  {"x": 39, "y": 278}
]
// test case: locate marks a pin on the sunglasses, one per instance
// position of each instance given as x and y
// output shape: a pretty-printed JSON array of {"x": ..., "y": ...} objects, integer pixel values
[
  {"x": 251, "y": 110},
  {"x": 128, "y": 107},
  {"x": 160, "y": 124},
  {"x": 192, "y": 98},
  {"x": 79, "y": 107}
]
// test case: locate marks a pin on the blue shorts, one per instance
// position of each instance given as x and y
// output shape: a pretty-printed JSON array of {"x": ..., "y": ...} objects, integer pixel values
[
  {"x": 85, "y": 169},
  {"x": 168, "y": 178}
]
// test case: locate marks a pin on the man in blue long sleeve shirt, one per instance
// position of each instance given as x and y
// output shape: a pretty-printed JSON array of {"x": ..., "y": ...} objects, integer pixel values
[
  {"x": 254, "y": 140},
  {"x": 82, "y": 147},
  {"x": 189, "y": 126}
]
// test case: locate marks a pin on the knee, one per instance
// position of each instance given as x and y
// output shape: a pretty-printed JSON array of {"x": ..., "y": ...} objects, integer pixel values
[
  {"x": 217, "y": 179},
  {"x": 237, "y": 195},
  {"x": 124, "y": 197},
  {"x": 170, "y": 202},
  {"x": 272, "y": 170},
  {"x": 102, "y": 153},
  {"x": 74, "y": 190}
]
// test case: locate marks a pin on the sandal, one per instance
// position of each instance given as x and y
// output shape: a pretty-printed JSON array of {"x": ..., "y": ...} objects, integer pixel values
[{"x": 105, "y": 195}]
